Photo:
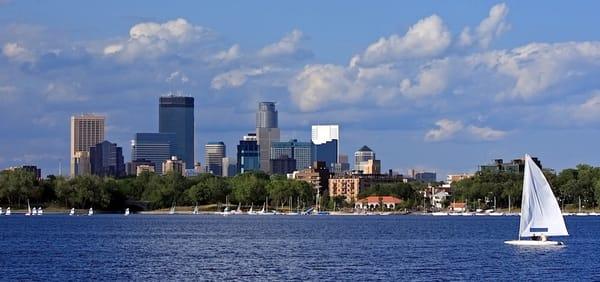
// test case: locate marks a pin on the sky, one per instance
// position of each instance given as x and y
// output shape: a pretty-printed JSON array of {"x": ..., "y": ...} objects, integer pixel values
[{"x": 429, "y": 85}]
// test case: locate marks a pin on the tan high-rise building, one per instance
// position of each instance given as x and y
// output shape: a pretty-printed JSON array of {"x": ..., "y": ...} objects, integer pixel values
[{"x": 86, "y": 131}]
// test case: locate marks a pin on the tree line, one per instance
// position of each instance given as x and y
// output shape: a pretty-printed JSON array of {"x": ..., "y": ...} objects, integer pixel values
[
  {"x": 150, "y": 191},
  {"x": 569, "y": 186}
]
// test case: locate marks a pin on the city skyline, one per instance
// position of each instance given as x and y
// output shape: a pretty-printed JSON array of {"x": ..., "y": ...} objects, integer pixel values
[{"x": 473, "y": 96}]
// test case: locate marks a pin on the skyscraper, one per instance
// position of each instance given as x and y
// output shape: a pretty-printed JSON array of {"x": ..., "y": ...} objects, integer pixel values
[
  {"x": 86, "y": 131},
  {"x": 106, "y": 159},
  {"x": 248, "y": 154},
  {"x": 267, "y": 131},
  {"x": 214, "y": 152},
  {"x": 301, "y": 152},
  {"x": 155, "y": 147},
  {"x": 362, "y": 156},
  {"x": 326, "y": 140},
  {"x": 176, "y": 115}
]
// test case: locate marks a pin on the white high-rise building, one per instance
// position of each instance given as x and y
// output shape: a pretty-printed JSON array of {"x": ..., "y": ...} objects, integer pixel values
[
  {"x": 86, "y": 131},
  {"x": 326, "y": 139}
]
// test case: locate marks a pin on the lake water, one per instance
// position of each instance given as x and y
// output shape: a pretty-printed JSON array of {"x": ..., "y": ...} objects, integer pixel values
[{"x": 178, "y": 247}]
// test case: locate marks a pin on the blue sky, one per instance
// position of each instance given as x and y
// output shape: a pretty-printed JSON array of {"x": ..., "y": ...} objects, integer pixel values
[{"x": 435, "y": 85}]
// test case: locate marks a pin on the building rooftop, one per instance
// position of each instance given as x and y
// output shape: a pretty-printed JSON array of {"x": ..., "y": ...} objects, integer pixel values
[{"x": 365, "y": 149}]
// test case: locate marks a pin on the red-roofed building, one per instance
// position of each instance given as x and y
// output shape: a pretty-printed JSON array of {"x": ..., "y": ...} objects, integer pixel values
[{"x": 375, "y": 202}]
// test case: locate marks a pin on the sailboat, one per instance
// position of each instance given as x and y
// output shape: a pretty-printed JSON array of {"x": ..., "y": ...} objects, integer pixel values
[
  {"x": 34, "y": 211},
  {"x": 72, "y": 212},
  {"x": 0, "y": 210},
  {"x": 579, "y": 212},
  {"x": 90, "y": 211},
  {"x": 252, "y": 211},
  {"x": 8, "y": 212},
  {"x": 540, "y": 213},
  {"x": 172, "y": 210},
  {"x": 28, "y": 209},
  {"x": 40, "y": 211},
  {"x": 127, "y": 212},
  {"x": 195, "y": 209}
]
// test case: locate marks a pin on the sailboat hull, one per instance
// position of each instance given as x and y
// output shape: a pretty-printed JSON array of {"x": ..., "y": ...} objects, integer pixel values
[{"x": 534, "y": 243}]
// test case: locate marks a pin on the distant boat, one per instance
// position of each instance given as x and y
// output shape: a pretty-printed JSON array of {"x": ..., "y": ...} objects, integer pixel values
[
  {"x": 172, "y": 210},
  {"x": 72, "y": 212},
  {"x": 127, "y": 212},
  {"x": 251, "y": 211},
  {"x": 28, "y": 209},
  {"x": 40, "y": 211},
  {"x": 540, "y": 213},
  {"x": 579, "y": 212},
  {"x": 0, "y": 210},
  {"x": 34, "y": 211},
  {"x": 90, "y": 212},
  {"x": 195, "y": 209},
  {"x": 7, "y": 211},
  {"x": 496, "y": 213},
  {"x": 439, "y": 213}
]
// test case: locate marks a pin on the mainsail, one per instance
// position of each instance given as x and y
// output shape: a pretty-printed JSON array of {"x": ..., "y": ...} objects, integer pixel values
[{"x": 540, "y": 213}]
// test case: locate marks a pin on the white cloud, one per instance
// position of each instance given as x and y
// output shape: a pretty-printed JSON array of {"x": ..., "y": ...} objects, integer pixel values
[
  {"x": 236, "y": 78},
  {"x": 489, "y": 28},
  {"x": 428, "y": 37},
  {"x": 431, "y": 80},
  {"x": 230, "y": 54},
  {"x": 64, "y": 92},
  {"x": 317, "y": 85},
  {"x": 486, "y": 133},
  {"x": 150, "y": 39},
  {"x": 15, "y": 51},
  {"x": 177, "y": 76},
  {"x": 588, "y": 110},
  {"x": 445, "y": 130},
  {"x": 288, "y": 45},
  {"x": 449, "y": 129}
]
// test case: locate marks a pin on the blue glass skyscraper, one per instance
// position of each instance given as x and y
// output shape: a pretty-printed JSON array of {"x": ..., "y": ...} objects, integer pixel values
[
  {"x": 176, "y": 115},
  {"x": 155, "y": 147},
  {"x": 248, "y": 154}
]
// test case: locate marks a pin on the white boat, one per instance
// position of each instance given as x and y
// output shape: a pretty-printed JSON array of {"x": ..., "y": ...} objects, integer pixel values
[
  {"x": 454, "y": 213},
  {"x": 195, "y": 209},
  {"x": 251, "y": 211},
  {"x": 72, "y": 212},
  {"x": 0, "y": 210},
  {"x": 496, "y": 214},
  {"x": 467, "y": 214},
  {"x": 34, "y": 211},
  {"x": 90, "y": 212},
  {"x": 439, "y": 213},
  {"x": 28, "y": 209},
  {"x": 40, "y": 211},
  {"x": 540, "y": 214},
  {"x": 8, "y": 212},
  {"x": 172, "y": 210},
  {"x": 591, "y": 214},
  {"x": 127, "y": 212}
]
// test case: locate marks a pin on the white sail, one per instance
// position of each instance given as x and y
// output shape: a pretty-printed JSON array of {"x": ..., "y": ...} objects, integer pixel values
[
  {"x": 40, "y": 211},
  {"x": 540, "y": 213},
  {"x": 72, "y": 212}
]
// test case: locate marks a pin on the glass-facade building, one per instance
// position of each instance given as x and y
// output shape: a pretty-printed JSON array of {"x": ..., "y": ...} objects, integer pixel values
[
  {"x": 248, "y": 154},
  {"x": 267, "y": 131},
  {"x": 301, "y": 152},
  {"x": 106, "y": 159},
  {"x": 155, "y": 147},
  {"x": 214, "y": 152},
  {"x": 176, "y": 115}
]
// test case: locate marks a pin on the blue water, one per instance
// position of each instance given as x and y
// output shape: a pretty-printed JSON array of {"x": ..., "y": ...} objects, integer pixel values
[{"x": 177, "y": 247}]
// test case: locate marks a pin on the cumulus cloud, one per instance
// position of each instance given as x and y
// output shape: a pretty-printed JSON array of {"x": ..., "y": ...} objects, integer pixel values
[
  {"x": 488, "y": 29},
  {"x": 151, "y": 39},
  {"x": 289, "y": 46},
  {"x": 17, "y": 52},
  {"x": 177, "y": 76},
  {"x": 449, "y": 129},
  {"x": 236, "y": 78},
  {"x": 431, "y": 80},
  {"x": 427, "y": 38},
  {"x": 588, "y": 110},
  {"x": 317, "y": 85},
  {"x": 445, "y": 130},
  {"x": 230, "y": 54},
  {"x": 486, "y": 133}
]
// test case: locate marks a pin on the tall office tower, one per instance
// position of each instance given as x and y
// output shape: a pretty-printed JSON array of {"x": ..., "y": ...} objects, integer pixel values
[
  {"x": 214, "y": 152},
  {"x": 155, "y": 147},
  {"x": 176, "y": 115},
  {"x": 327, "y": 145},
  {"x": 248, "y": 154},
  {"x": 267, "y": 131},
  {"x": 229, "y": 167},
  {"x": 362, "y": 156},
  {"x": 301, "y": 152},
  {"x": 106, "y": 159},
  {"x": 86, "y": 131}
]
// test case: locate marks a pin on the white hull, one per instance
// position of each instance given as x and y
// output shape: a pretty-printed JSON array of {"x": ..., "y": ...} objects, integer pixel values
[
  {"x": 496, "y": 213},
  {"x": 533, "y": 243},
  {"x": 439, "y": 213}
]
